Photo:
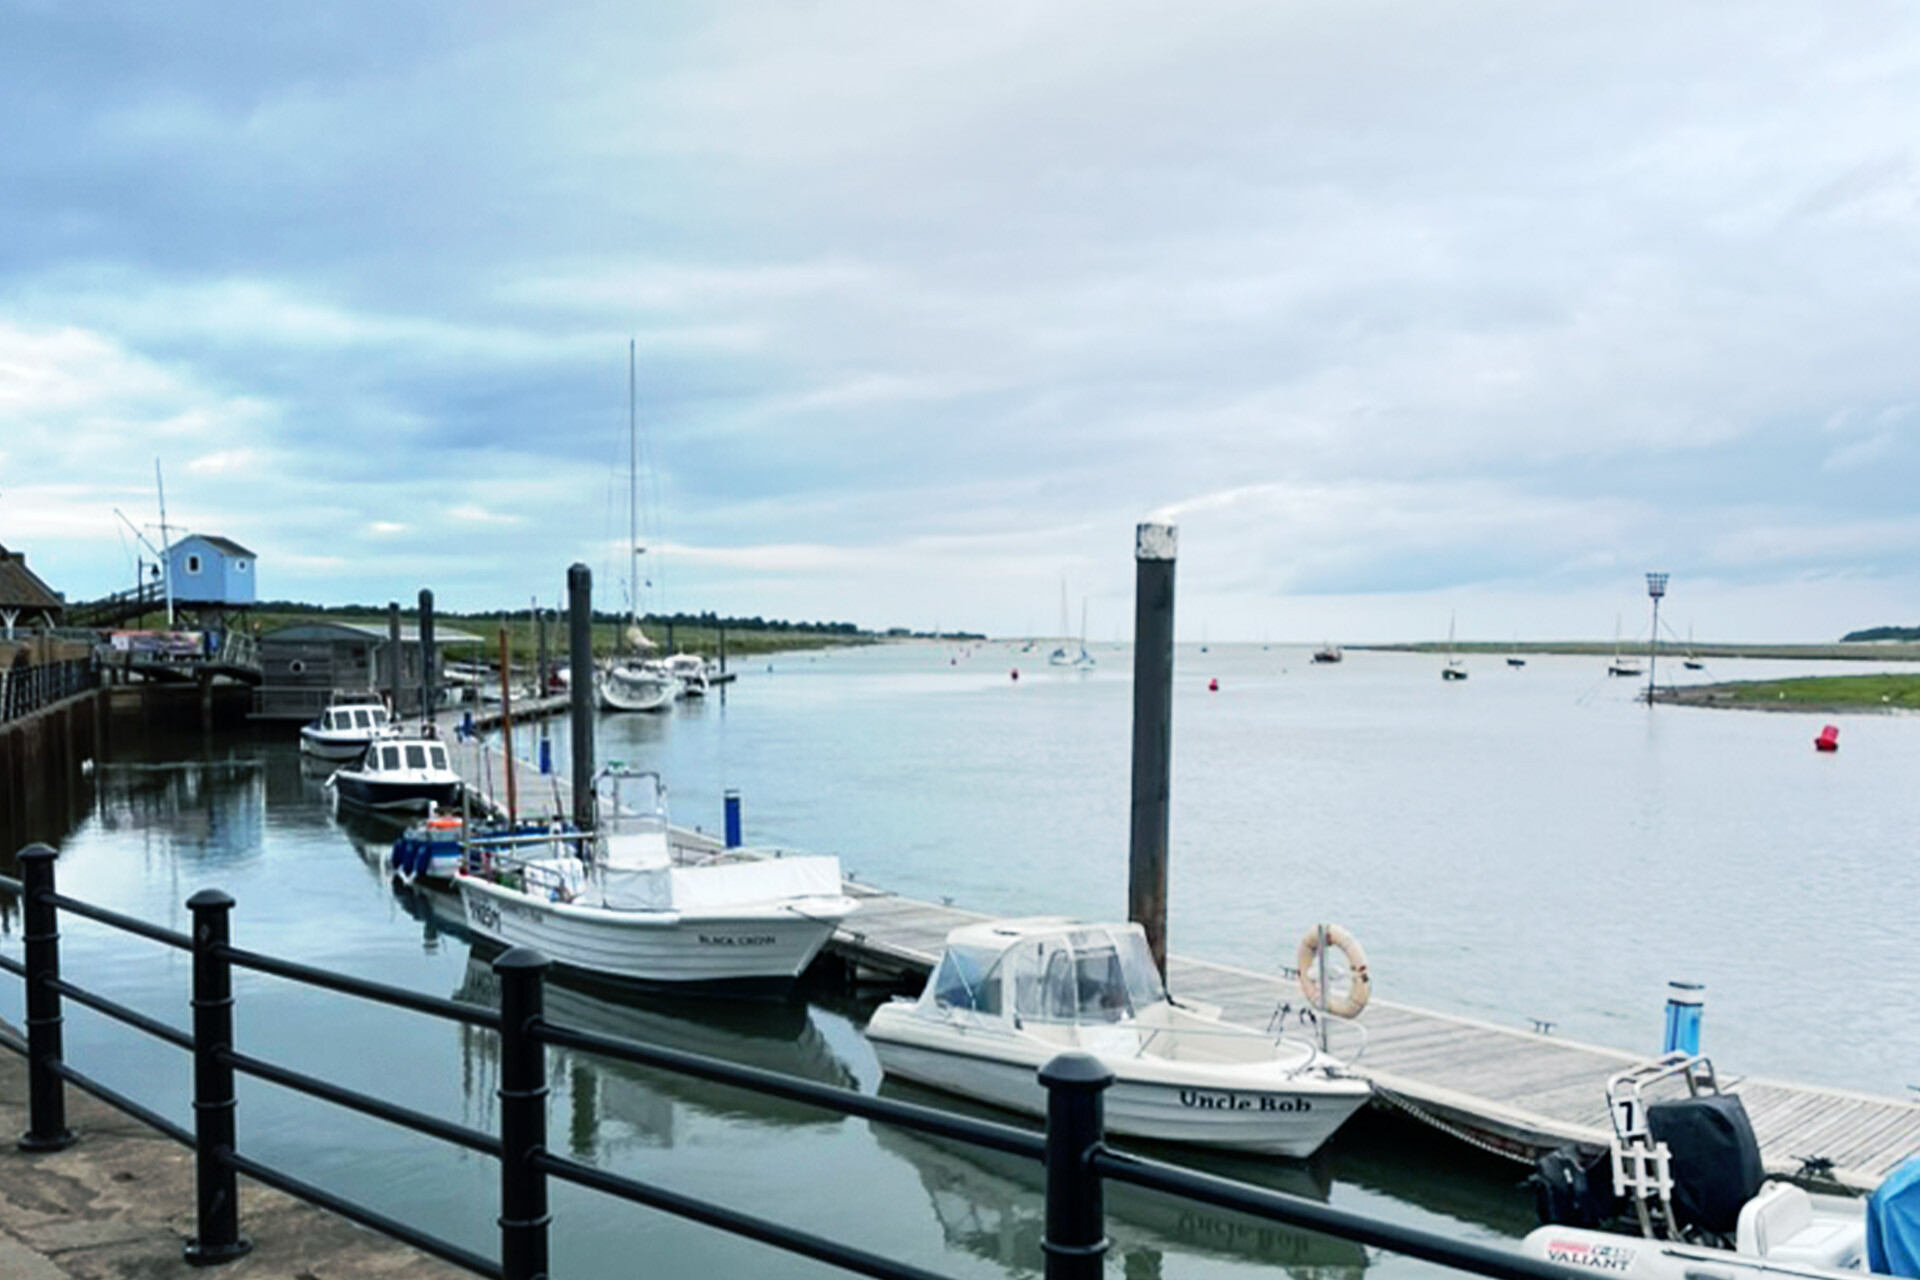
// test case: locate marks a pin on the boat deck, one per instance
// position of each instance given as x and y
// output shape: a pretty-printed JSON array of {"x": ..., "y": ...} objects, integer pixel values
[{"x": 1506, "y": 1090}]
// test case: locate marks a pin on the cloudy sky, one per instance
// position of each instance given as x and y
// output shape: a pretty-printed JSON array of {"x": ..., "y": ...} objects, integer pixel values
[{"x": 1398, "y": 308}]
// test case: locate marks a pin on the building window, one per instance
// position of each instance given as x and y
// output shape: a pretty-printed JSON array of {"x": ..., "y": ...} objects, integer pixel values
[
  {"x": 239, "y": 566},
  {"x": 193, "y": 564}
]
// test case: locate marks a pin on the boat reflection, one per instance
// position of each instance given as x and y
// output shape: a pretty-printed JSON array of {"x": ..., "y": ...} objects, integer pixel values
[
  {"x": 993, "y": 1205},
  {"x": 612, "y": 1105}
]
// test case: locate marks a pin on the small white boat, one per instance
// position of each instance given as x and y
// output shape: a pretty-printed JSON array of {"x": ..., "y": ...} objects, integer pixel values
[
  {"x": 1009, "y": 995},
  {"x": 630, "y": 911},
  {"x": 399, "y": 774},
  {"x": 690, "y": 669},
  {"x": 1685, "y": 1172},
  {"x": 346, "y": 727},
  {"x": 637, "y": 686}
]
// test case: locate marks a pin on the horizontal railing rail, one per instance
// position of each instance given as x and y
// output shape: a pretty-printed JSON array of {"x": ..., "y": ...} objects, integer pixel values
[
  {"x": 1072, "y": 1150},
  {"x": 27, "y": 688}
]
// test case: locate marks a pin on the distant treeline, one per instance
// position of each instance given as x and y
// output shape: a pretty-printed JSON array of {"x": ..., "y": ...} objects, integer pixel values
[
  {"x": 708, "y": 621},
  {"x": 1881, "y": 633}
]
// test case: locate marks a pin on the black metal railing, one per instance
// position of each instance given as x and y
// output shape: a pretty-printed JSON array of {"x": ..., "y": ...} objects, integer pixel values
[
  {"x": 1072, "y": 1150},
  {"x": 28, "y": 687}
]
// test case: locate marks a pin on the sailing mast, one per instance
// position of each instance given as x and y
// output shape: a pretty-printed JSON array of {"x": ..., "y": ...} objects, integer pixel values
[{"x": 166, "y": 544}]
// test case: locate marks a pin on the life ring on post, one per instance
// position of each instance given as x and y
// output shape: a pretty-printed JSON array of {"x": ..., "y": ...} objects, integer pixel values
[{"x": 1359, "y": 986}]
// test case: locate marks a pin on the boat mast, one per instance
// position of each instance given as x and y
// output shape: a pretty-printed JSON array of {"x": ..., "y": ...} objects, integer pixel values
[
  {"x": 633, "y": 491},
  {"x": 166, "y": 545}
]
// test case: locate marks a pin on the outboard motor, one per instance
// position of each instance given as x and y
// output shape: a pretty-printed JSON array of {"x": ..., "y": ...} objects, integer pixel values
[
  {"x": 1715, "y": 1160},
  {"x": 1573, "y": 1190}
]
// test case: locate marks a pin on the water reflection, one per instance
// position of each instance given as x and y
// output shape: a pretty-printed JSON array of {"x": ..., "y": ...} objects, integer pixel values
[
  {"x": 993, "y": 1205},
  {"x": 208, "y": 812},
  {"x": 612, "y": 1105}
]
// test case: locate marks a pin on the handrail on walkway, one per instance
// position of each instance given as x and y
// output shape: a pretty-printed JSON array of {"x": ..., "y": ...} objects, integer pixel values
[{"x": 1073, "y": 1151}]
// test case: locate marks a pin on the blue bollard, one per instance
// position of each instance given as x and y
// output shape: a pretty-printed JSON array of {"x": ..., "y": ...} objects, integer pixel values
[
  {"x": 466, "y": 725},
  {"x": 733, "y": 819},
  {"x": 1684, "y": 1002},
  {"x": 546, "y": 755}
]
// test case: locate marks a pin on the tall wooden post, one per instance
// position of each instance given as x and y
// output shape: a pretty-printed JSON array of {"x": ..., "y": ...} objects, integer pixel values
[
  {"x": 427, "y": 672},
  {"x": 392, "y": 657},
  {"x": 1154, "y": 550},
  {"x": 506, "y": 727},
  {"x": 580, "y": 642}
]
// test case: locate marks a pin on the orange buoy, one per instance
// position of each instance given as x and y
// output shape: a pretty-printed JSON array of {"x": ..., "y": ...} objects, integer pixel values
[{"x": 1829, "y": 739}]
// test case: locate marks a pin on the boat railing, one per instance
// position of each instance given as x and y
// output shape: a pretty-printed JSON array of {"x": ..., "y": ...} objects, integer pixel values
[{"x": 1072, "y": 1148}]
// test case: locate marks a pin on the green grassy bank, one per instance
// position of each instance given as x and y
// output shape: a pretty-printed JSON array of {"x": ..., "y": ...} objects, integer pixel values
[{"x": 1804, "y": 693}]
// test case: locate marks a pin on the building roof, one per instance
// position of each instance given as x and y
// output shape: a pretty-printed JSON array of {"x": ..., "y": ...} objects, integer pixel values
[
  {"x": 228, "y": 545},
  {"x": 21, "y": 588},
  {"x": 409, "y": 634}
]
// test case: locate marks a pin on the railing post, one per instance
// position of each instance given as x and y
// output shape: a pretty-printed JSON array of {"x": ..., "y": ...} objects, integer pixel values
[
  {"x": 40, "y": 932},
  {"x": 216, "y": 1186},
  {"x": 1076, "y": 1239},
  {"x": 523, "y": 1115}
]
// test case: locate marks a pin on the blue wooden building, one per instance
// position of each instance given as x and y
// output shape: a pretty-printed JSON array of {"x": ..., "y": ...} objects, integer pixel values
[{"x": 211, "y": 570}]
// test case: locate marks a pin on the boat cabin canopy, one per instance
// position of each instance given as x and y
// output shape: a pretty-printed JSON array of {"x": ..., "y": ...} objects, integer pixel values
[
  {"x": 396, "y": 757},
  {"x": 366, "y": 715},
  {"x": 1047, "y": 970}
]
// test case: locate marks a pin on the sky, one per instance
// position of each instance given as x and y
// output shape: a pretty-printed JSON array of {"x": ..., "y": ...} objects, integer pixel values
[{"x": 1402, "y": 311}]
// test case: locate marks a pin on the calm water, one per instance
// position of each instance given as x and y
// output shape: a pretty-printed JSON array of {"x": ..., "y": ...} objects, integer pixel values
[{"x": 1529, "y": 844}]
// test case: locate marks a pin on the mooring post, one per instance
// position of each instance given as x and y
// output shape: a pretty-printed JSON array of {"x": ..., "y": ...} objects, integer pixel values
[
  {"x": 393, "y": 658},
  {"x": 580, "y": 649},
  {"x": 40, "y": 933},
  {"x": 426, "y": 655},
  {"x": 506, "y": 727},
  {"x": 1076, "y": 1241},
  {"x": 731, "y": 801},
  {"x": 215, "y": 1183},
  {"x": 523, "y": 1115},
  {"x": 1155, "y": 547}
]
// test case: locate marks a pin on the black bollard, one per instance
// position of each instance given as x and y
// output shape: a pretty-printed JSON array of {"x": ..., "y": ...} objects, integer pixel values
[
  {"x": 580, "y": 643},
  {"x": 1076, "y": 1239},
  {"x": 40, "y": 933},
  {"x": 216, "y": 1186},
  {"x": 1155, "y": 546},
  {"x": 523, "y": 1115}
]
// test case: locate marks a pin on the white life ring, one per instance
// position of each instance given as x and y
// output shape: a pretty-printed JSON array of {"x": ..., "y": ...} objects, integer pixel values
[{"x": 1359, "y": 988}]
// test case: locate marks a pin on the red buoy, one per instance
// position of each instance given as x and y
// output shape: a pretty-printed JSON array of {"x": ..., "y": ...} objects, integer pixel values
[
  {"x": 1829, "y": 739},
  {"x": 1213, "y": 685},
  {"x": 1016, "y": 673}
]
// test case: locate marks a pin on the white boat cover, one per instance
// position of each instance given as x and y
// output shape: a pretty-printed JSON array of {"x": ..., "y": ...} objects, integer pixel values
[{"x": 723, "y": 886}]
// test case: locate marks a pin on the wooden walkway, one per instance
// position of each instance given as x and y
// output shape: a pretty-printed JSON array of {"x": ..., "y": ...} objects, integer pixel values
[{"x": 1509, "y": 1091}]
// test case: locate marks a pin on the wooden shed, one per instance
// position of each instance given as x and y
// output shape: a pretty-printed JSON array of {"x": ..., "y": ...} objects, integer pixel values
[{"x": 304, "y": 664}]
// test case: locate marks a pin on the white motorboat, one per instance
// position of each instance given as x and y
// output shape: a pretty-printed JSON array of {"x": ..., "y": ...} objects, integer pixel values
[
  {"x": 407, "y": 774},
  {"x": 690, "y": 669},
  {"x": 1685, "y": 1173},
  {"x": 1009, "y": 995},
  {"x": 637, "y": 686},
  {"x": 629, "y": 910},
  {"x": 344, "y": 729}
]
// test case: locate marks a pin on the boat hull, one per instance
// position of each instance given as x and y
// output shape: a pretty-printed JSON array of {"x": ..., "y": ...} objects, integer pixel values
[
  {"x": 1226, "y": 1110},
  {"x": 1636, "y": 1258},
  {"x": 750, "y": 950},
  {"x": 325, "y": 746},
  {"x": 396, "y": 796}
]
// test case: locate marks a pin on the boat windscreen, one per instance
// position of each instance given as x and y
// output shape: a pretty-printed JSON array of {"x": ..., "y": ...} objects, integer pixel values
[
  {"x": 416, "y": 756},
  {"x": 966, "y": 980},
  {"x": 1136, "y": 964},
  {"x": 390, "y": 757}
]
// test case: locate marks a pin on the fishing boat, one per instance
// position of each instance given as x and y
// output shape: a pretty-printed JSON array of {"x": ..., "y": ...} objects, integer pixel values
[
  {"x": 1009, "y": 995},
  {"x": 345, "y": 728},
  {"x": 635, "y": 682},
  {"x": 399, "y": 774},
  {"x": 1682, "y": 1193},
  {"x": 1456, "y": 668},
  {"x": 437, "y": 848},
  {"x": 625, "y": 908}
]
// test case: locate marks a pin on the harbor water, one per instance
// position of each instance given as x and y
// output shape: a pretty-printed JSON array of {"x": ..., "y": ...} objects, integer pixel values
[{"x": 1531, "y": 844}]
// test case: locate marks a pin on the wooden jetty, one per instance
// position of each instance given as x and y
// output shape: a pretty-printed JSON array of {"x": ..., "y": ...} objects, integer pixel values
[{"x": 1513, "y": 1092}]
